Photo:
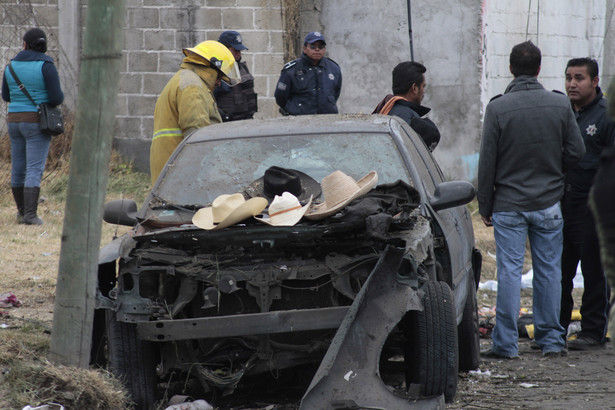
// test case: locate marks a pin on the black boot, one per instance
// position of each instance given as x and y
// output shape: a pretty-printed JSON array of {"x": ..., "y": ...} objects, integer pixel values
[
  {"x": 30, "y": 196},
  {"x": 18, "y": 196}
]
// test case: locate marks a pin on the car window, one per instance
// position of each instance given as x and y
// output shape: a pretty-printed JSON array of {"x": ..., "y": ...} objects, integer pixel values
[
  {"x": 206, "y": 169},
  {"x": 430, "y": 173}
]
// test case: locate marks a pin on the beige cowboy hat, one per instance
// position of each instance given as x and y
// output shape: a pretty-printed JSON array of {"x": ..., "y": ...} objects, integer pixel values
[
  {"x": 285, "y": 210},
  {"x": 227, "y": 210},
  {"x": 339, "y": 190}
]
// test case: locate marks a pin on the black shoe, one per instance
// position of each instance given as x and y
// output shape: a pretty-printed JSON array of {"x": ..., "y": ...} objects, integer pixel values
[
  {"x": 490, "y": 354},
  {"x": 584, "y": 343},
  {"x": 552, "y": 355}
]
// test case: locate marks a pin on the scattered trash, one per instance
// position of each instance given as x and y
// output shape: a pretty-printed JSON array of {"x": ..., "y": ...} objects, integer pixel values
[
  {"x": 9, "y": 300},
  {"x": 488, "y": 285},
  {"x": 47, "y": 253},
  {"x": 3, "y": 326},
  {"x": 528, "y": 385},
  {"x": 48, "y": 406},
  {"x": 191, "y": 405},
  {"x": 479, "y": 373}
]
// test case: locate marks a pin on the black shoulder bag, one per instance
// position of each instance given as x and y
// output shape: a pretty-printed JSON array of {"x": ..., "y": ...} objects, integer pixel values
[{"x": 50, "y": 119}]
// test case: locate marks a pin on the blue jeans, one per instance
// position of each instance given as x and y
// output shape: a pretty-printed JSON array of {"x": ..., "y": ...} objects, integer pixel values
[
  {"x": 544, "y": 229},
  {"x": 29, "y": 149}
]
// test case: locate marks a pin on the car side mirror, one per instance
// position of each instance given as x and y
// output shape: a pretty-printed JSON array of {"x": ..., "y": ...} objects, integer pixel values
[
  {"x": 451, "y": 194},
  {"x": 121, "y": 212}
]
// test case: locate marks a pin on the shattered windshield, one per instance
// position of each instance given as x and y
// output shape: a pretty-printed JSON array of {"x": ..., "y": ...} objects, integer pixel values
[{"x": 205, "y": 170}]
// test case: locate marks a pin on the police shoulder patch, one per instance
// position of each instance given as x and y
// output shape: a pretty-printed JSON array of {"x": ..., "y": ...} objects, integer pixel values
[
  {"x": 289, "y": 65},
  {"x": 496, "y": 97}
]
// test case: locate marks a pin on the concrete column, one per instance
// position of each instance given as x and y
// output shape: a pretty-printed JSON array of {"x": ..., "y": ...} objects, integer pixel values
[
  {"x": 69, "y": 29},
  {"x": 607, "y": 70}
]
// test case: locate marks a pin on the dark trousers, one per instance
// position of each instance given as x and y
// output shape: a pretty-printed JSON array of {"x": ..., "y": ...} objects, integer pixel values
[{"x": 581, "y": 244}]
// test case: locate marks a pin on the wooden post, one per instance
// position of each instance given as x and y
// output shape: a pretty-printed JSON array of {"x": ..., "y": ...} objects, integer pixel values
[{"x": 71, "y": 337}]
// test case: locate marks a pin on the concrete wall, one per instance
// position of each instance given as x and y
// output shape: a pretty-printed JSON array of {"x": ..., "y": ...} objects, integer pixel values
[{"x": 464, "y": 44}]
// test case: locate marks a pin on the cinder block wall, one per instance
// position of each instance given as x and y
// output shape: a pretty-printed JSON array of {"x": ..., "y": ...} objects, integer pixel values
[{"x": 157, "y": 31}]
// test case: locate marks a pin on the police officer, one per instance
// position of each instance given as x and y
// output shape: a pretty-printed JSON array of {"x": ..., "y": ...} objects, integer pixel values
[
  {"x": 310, "y": 84},
  {"x": 238, "y": 102}
]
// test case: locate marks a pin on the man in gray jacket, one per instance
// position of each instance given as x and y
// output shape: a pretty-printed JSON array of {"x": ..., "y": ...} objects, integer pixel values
[{"x": 530, "y": 138}]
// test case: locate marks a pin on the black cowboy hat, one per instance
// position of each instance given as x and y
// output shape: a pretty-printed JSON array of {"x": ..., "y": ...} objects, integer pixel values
[{"x": 278, "y": 180}]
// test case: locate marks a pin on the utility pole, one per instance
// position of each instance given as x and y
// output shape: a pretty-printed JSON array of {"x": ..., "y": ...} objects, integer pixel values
[{"x": 71, "y": 336}]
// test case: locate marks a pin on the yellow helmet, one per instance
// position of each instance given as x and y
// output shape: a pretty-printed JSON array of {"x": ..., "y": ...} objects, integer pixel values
[{"x": 219, "y": 57}]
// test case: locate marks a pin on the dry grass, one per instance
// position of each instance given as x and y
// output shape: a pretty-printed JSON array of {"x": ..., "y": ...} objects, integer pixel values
[{"x": 28, "y": 265}]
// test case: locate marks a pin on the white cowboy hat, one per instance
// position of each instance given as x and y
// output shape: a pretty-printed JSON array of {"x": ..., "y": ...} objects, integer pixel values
[
  {"x": 285, "y": 210},
  {"x": 227, "y": 210},
  {"x": 339, "y": 190}
]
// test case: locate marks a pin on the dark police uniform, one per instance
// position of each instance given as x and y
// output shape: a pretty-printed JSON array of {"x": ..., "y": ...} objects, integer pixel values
[
  {"x": 304, "y": 88},
  {"x": 238, "y": 102},
  {"x": 580, "y": 237}
]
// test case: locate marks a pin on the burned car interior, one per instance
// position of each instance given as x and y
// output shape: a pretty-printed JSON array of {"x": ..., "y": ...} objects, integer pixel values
[{"x": 359, "y": 300}]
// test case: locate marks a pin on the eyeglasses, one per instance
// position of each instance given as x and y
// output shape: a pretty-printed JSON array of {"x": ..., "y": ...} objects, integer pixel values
[{"x": 317, "y": 46}]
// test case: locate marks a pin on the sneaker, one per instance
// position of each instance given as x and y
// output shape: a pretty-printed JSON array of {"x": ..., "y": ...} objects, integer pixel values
[
  {"x": 490, "y": 354},
  {"x": 584, "y": 343}
]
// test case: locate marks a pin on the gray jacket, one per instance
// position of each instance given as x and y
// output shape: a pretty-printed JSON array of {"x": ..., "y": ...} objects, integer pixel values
[{"x": 530, "y": 138}]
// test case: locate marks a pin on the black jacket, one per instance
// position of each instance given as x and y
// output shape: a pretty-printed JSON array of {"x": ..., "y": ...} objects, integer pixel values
[{"x": 304, "y": 88}]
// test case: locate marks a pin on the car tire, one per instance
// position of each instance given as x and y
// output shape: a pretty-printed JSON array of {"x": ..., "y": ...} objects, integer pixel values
[
  {"x": 469, "y": 336},
  {"x": 131, "y": 361},
  {"x": 432, "y": 355}
]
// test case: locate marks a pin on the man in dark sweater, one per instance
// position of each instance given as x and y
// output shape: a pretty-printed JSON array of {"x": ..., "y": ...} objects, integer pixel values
[
  {"x": 409, "y": 89},
  {"x": 530, "y": 137},
  {"x": 580, "y": 238}
]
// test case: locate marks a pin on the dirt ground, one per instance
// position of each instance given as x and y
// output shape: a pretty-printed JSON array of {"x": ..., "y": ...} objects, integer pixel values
[{"x": 582, "y": 380}]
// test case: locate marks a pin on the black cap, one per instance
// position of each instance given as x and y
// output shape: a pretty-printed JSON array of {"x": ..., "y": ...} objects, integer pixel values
[
  {"x": 36, "y": 40},
  {"x": 232, "y": 39}
]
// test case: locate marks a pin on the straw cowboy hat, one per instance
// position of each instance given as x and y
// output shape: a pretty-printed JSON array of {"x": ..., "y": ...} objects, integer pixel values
[
  {"x": 278, "y": 180},
  {"x": 227, "y": 210},
  {"x": 339, "y": 190},
  {"x": 285, "y": 210}
]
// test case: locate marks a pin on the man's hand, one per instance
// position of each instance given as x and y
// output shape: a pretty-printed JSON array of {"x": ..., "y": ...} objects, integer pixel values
[{"x": 487, "y": 220}]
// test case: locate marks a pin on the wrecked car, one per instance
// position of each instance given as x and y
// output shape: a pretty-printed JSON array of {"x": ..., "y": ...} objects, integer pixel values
[{"x": 370, "y": 305}]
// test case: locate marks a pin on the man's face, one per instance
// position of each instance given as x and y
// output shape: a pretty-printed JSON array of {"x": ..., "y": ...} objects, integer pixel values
[
  {"x": 236, "y": 53},
  {"x": 580, "y": 87},
  {"x": 417, "y": 92},
  {"x": 315, "y": 51}
]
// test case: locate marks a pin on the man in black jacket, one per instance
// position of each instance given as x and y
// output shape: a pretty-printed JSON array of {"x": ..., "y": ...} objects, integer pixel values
[
  {"x": 310, "y": 84},
  {"x": 580, "y": 238},
  {"x": 240, "y": 101},
  {"x": 409, "y": 89}
]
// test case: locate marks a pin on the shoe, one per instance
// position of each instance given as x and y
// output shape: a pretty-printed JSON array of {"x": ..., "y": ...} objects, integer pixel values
[
  {"x": 552, "y": 355},
  {"x": 490, "y": 354},
  {"x": 584, "y": 343}
]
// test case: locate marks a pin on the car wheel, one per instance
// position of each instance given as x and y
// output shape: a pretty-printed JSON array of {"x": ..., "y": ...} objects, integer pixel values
[
  {"x": 431, "y": 356},
  {"x": 131, "y": 361},
  {"x": 469, "y": 336}
]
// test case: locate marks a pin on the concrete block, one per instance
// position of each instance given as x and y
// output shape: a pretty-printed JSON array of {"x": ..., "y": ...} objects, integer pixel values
[
  {"x": 256, "y": 41},
  {"x": 267, "y": 108},
  {"x": 265, "y": 4},
  {"x": 141, "y": 105},
  {"x": 170, "y": 62},
  {"x": 208, "y": 18},
  {"x": 142, "y": 61},
  {"x": 154, "y": 83},
  {"x": 143, "y": 17},
  {"x": 133, "y": 39},
  {"x": 131, "y": 83},
  {"x": 261, "y": 86},
  {"x": 268, "y": 63},
  {"x": 220, "y": 3},
  {"x": 237, "y": 19},
  {"x": 177, "y": 17},
  {"x": 268, "y": 19},
  {"x": 127, "y": 127},
  {"x": 135, "y": 150},
  {"x": 120, "y": 105},
  {"x": 159, "y": 40}
]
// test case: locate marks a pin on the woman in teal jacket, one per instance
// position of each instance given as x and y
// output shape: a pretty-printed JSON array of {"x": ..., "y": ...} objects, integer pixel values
[{"x": 29, "y": 146}]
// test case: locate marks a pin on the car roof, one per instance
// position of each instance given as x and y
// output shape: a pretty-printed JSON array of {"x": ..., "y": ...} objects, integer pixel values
[{"x": 301, "y": 124}]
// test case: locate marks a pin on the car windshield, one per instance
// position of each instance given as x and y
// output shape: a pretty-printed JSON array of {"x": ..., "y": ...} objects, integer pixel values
[{"x": 204, "y": 170}]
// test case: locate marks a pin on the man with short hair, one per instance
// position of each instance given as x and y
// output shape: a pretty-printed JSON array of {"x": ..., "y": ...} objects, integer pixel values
[
  {"x": 240, "y": 101},
  {"x": 580, "y": 238},
  {"x": 530, "y": 138},
  {"x": 310, "y": 84},
  {"x": 409, "y": 89}
]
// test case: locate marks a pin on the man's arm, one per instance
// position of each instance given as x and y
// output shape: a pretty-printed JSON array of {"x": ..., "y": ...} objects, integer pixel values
[
  {"x": 487, "y": 164},
  {"x": 573, "y": 147},
  {"x": 284, "y": 87}
]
